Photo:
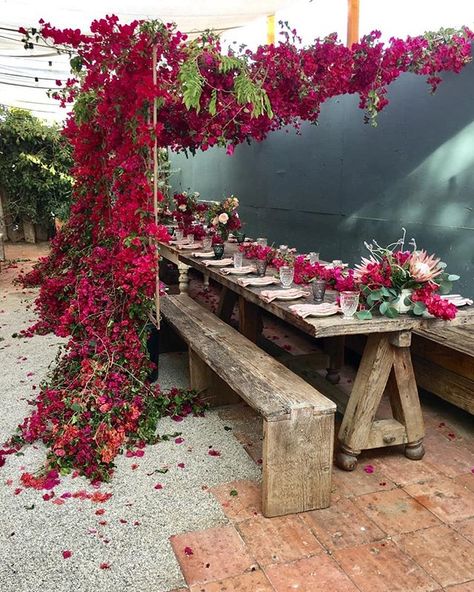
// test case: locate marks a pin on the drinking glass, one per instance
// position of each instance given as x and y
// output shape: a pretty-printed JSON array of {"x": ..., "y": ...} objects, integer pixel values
[
  {"x": 286, "y": 276},
  {"x": 262, "y": 241},
  {"x": 337, "y": 263},
  {"x": 238, "y": 259},
  {"x": 283, "y": 249},
  {"x": 206, "y": 243},
  {"x": 319, "y": 289},
  {"x": 190, "y": 238},
  {"x": 179, "y": 235},
  {"x": 313, "y": 257},
  {"x": 261, "y": 267},
  {"x": 349, "y": 301}
]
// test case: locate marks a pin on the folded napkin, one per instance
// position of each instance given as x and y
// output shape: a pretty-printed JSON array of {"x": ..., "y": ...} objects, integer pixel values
[
  {"x": 270, "y": 295},
  {"x": 239, "y": 270},
  {"x": 186, "y": 246},
  {"x": 457, "y": 299},
  {"x": 202, "y": 254},
  {"x": 307, "y": 310},
  {"x": 183, "y": 241},
  {"x": 260, "y": 281},
  {"x": 217, "y": 262}
]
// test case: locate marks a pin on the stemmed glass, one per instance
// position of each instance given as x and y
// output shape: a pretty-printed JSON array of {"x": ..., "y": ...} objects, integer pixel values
[
  {"x": 286, "y": 276},
  {"x": 349, "y": 301}
]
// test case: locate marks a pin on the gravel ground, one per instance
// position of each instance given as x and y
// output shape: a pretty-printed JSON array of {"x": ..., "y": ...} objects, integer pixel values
[{"x": 137, "y": 521}]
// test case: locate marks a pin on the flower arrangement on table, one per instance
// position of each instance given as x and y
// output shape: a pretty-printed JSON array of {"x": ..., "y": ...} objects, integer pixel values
[
  {"x": 190, "y": 214},
  {"x": 286, "y": 258},
  {"x": 394, "y": 280},
  {"x": 256, "y": 251},
  {"x": 336, "y": 277},
  {"x": 223, "y": 217}
]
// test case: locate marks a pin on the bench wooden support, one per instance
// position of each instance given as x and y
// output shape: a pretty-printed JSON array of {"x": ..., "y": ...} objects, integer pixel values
[
  {"x": 386, "y": 363},
  {"x": 298, "y": 419}
]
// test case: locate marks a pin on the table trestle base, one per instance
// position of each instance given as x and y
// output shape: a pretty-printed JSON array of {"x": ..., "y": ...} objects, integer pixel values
[{"x": 386, "y": 364}]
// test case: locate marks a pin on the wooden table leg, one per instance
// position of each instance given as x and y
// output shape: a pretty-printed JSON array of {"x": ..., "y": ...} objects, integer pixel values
[
  {"x": 386, "y": 363},
  {"x": 183, "y": 278},
  {"x": 250, "y": 320},
  {"x": 369, "y": 385},
  {"x": 227, "y": 301},
  {"x": 206, "y": 281},
  {"x": 405, "y": 401},
  {"x": 334, "y": 348}
]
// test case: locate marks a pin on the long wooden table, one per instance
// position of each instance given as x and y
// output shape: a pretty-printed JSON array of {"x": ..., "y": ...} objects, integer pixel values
[{"x": 385, "y": 365}]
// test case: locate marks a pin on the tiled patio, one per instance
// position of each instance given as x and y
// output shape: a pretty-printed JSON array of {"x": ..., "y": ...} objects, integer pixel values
[{"x": 394, "y": 525}]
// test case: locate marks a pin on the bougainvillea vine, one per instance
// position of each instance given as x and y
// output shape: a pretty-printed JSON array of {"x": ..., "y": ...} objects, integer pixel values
[{"x": 98, "y": 284}]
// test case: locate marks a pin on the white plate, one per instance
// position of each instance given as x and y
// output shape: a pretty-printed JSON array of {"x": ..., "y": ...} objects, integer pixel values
[
  {"x": 237, "y": 271},
  {"x": 328, "y": 313},
  {"x": 193, "y": 246},
  {"x": 290, "y": 297},
  {"x": 258, "y": 283}
]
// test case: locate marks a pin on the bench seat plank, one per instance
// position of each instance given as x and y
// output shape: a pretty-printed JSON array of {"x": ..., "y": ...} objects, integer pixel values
[{"x": 268, "y": 386}]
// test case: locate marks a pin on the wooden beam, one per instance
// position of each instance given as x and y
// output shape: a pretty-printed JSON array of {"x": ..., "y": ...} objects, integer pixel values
[
  {"x": 270, "y": 29},
  {"x": 155, "y": 191},
  {"x": 353, "y": 14}
]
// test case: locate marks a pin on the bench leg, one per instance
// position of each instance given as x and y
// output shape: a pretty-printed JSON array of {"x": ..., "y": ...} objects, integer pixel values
[
  {"x": 216, "y": 392},
  {"x": 297, "y": 462},
  {"x": 206, "y": 281},
  {"x": 199, "y": 373}
]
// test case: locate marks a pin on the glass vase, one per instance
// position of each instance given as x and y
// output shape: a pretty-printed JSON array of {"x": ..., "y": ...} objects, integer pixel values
[{"x": 319, "y": 289}]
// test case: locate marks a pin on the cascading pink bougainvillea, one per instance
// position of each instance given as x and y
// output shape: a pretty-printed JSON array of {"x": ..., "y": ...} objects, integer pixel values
[{"x": 98, "y": 284}]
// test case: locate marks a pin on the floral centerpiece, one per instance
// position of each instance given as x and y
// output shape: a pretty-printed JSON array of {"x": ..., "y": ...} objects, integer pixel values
[
  {"x": 394, "y": 280},
  {"x": 190, "y": 214},
  {"x": 223, "y": 217}
]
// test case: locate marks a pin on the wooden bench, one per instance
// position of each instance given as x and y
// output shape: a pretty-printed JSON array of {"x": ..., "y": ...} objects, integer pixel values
[
  {"x": 298, "y": 420},
  {"x": 443, "y": 359}
]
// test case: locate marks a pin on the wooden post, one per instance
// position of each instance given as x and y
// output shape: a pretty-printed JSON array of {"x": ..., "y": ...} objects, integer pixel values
[
  {"x": 155, "y": 193},
  {"x": 270, "y": 29},
  {"x": 353, "y": 11}
]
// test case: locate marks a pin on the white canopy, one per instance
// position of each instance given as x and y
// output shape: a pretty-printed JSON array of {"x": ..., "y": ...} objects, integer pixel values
[{"x": 25, "y": 76}]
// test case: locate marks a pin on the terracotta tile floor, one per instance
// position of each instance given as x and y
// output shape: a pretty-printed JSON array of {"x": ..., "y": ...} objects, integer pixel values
[{"x": 406, "y": 527}]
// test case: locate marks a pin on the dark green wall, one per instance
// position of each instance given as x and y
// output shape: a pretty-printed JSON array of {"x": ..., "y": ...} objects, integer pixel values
[{"x": 343, "y": 182}]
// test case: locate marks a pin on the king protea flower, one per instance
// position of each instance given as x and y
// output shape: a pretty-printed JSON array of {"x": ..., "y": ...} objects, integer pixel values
[
  {"x": 365, "y": 267},
  {"x": 423, "y": 267}
]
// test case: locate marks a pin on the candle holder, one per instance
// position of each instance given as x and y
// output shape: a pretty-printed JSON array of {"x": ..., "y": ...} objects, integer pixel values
[
  {"x": 261, "y": 266},
  {"x": 218, "y": 250},
  {"x": 319, "y": 289}
]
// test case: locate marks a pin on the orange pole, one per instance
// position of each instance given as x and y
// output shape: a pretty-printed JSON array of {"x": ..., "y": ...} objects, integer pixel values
[
  {"x": 353, "y": 17},
  {"x": 270, "y": 29}
]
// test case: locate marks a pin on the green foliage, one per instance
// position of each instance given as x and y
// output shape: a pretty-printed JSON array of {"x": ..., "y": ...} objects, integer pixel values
[{"x": 34, "y": 167}]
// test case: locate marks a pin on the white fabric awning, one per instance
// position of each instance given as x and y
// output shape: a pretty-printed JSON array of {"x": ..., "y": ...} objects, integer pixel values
[{"x": 25, "y": 76}]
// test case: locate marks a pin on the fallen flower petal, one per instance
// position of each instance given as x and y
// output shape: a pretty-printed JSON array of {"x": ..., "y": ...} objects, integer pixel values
[
  {"x": 188, "y": 551},
  {"x": 67, "y": 554},
  {"x": 369, "y": 469}
]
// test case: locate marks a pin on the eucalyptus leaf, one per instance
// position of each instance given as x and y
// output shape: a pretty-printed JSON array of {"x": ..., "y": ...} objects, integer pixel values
[{"x": 363, "y": 315}]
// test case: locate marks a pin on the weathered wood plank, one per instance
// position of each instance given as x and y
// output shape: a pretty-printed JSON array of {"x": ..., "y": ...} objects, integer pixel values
[
  {"x": 297, "y": 462},
  {"x": 264, "y": 383},
  {"x": 446, "y": 356},
  {"x": 386, "y": 432},
  {"x": 367, "y": 392},
  {"x": 448, "y": 385}
]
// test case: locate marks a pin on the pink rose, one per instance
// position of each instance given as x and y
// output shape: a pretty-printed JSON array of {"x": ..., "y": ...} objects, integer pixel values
[{"x": 223, "y": 218}]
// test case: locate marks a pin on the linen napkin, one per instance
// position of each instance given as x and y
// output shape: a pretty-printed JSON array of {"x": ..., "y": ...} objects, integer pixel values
[
  {"x": 217, "y": 262},
  {"x": 260, "y": 281},
  {"x": 186, "y": 246},
  {"x": 270, "y": 295},
  {"x": 183, "y": 241},
  {"x": 239, "y": 270},
  {"x": 202, "y": 254},
  {"x": 457, "y": 299},
  {"x": 307, "y": 310}
]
